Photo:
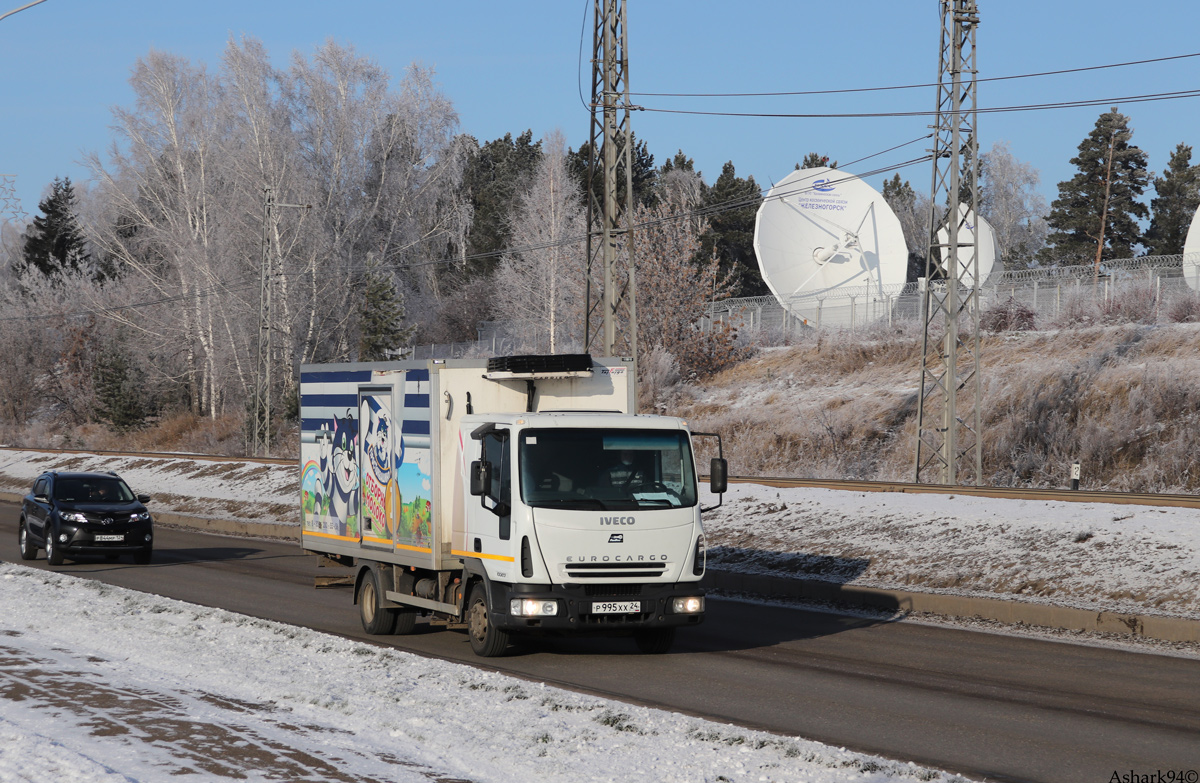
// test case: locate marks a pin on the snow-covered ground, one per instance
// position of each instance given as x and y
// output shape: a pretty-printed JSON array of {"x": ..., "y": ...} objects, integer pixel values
[{"x": 103, "y": 684}]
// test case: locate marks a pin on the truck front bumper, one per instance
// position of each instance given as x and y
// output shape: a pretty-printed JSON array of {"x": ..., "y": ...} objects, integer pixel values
[{"x": 583, "y": 608}]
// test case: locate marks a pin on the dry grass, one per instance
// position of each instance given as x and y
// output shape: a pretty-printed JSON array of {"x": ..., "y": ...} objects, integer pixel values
[
  {"x": 183, "y": 432},
  {"x": 1124, "y": 400}
]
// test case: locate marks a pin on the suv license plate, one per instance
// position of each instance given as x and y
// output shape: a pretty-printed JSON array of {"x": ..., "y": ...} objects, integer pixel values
[
  {"x": 107, "y": 537},
  {"x": 616, "y": 607}
]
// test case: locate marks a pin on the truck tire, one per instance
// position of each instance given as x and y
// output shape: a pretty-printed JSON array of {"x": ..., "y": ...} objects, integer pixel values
[
  {"x": 487, "y": 640},
  {"x": 406, "y": 621},
  {"x": 655, "y": 641},
  {"x": 376, "y": 620}
]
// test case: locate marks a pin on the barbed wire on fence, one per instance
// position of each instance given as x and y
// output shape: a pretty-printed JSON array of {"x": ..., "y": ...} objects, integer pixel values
[{"x": 1044, "y": 290}]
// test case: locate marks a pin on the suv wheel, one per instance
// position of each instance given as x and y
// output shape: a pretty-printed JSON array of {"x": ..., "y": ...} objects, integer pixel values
[
  {"x": 54, "y": 555},
  {"x": 28, "y": 550}
]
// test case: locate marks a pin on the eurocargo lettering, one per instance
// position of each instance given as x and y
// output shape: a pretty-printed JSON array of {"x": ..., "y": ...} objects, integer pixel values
[{"x": 482, "y": 495}]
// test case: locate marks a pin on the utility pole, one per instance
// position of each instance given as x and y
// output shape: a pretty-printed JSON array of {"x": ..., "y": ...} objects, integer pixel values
[
  {"x": 949, "y": 443},
  {"x": 611, "y": 148},
  {"x": 270, "y": 269},
  {"x": 1112, "y": 146}
]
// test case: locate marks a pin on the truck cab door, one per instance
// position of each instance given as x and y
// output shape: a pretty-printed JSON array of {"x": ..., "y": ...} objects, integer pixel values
[{"x": 490, "y": 531}]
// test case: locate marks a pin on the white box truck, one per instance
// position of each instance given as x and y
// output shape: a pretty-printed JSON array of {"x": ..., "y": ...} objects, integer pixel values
[{"x": 508, "y": 496}]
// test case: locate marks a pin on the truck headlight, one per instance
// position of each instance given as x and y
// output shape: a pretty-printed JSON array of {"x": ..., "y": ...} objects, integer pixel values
[
  {"x": 693, "y": 605},
  {"x": 532, "y": 607}
]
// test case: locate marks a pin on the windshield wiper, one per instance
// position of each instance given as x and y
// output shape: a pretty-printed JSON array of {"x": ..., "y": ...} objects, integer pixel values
[{"x": 578, "y": 503}]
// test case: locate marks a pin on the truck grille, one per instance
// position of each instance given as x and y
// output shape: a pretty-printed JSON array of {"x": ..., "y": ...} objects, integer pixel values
[
  {"x": 610, "y": 570},
  {"x": 612, "y": 591}
]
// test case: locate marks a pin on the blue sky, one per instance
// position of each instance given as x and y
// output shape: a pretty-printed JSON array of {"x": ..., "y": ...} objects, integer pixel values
[{"x": 508, "y": 66}]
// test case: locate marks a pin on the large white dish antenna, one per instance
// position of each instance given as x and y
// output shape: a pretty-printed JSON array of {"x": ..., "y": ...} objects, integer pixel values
[
  {"x": 988, "y": 247},
  {"x": 830, "y": 248},
  {"x": 1191, "y": 253}
]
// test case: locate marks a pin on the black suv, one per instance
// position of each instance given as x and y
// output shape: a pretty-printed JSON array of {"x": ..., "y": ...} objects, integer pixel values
[{"x": 70, "y": 514}]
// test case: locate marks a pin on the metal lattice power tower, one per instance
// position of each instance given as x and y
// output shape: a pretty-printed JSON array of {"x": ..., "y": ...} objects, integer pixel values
[
  {"x": 949, "y": 442},
  {"x": 270, "y": 271},
  {"x": 612, "y": 151}
]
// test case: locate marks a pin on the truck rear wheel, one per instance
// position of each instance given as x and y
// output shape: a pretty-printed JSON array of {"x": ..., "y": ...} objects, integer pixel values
[
  {"x": 655, "y": 641},
  {"x": 487, "y": 640},
  {"x": 376, "y": 620}
]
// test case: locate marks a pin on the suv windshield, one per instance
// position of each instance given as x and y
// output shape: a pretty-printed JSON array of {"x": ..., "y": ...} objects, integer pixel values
[
  {"x": 606, "y": 469},
  {"x": 92, "y": 489}
]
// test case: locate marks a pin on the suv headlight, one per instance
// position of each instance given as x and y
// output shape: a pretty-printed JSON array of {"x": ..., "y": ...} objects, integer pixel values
[
  {"x": 532, "y": 607},
  {"x": 143, "y": 516},
  {"x": 72, "y": 516}
]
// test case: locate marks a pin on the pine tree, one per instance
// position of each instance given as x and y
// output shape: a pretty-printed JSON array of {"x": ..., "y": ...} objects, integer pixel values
[
  {"x": 1078, "y": 212},
  {"x": 734, "y": 203},
  {"x": 644, "y": 174},
  {"x": 120, "y": 393},
  {"x": 381, "y": 330},
  {"x": 814, "y": 160},
  {"x": 1174, "y": 205},
  {"x": 54, "y": 243},
  {"x": 495, "y": 174}
]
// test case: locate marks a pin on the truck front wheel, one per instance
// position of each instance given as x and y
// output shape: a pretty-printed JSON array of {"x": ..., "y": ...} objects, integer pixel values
[
  {"x": 655, "y": 641},
  {"x": 376, "y": 620},
  {"x": 487, "y": 640}
]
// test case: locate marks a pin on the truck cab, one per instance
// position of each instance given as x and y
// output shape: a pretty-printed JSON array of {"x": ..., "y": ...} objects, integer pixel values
[{"x": 584, "y": 522}]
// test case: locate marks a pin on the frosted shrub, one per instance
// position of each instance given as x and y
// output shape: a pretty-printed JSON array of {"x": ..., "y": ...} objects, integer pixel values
[
  {"x": 1007, "y": 316},
  {"x": 658, "y": 373},
  {"x": 1183, "y": 308},
  {"x": 1127, "y": 304}
]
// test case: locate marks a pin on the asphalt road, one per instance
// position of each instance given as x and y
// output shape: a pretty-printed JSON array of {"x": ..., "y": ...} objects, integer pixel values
[{"x": 988, "y": 706}]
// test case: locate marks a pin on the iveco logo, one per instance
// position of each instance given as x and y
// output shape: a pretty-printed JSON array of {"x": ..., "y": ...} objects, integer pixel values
[
  {"x": 617, "y": 520},
  {"x": 823, "y": 186},
  {"x": 616, "y": 538}
]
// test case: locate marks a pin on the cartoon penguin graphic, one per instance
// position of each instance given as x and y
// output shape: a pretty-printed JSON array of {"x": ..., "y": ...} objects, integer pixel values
[{"x": 339, "y": 471}]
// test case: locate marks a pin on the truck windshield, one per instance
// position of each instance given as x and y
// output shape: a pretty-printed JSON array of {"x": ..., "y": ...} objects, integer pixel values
[{"x": 606, "y": 469}]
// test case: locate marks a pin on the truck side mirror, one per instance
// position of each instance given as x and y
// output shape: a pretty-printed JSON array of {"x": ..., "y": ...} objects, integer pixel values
[
  {"x": 718, "y": 476},
  {"x": 481, "y": 477}
]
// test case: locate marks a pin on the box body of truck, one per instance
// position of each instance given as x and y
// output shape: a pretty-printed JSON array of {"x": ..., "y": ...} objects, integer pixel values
[{"x": 491, "y": 495}]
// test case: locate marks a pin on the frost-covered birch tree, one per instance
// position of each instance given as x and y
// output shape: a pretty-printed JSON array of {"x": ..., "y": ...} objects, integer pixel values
[
  {"x": 183, "y": 189},
  {"x": 1013, "y": 206},
  {"x": 539, "y": 285}
]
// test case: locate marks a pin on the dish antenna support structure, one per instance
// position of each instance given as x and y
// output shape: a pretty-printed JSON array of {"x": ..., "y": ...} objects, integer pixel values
[
  {"x": 611, "y": 150},
  {"x": 949, "y": 444}
]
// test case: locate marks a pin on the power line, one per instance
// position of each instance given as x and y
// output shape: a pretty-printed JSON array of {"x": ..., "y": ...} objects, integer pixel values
[
  {"x": 1149, "y": 97},
  {"x": 849, "y": 91}
]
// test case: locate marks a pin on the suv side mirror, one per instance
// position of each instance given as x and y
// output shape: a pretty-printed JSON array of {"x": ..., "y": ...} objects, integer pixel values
[
  {"x": 481, "y": 477},
  {"x": 143, "y": 498},
  {"x": 41, "y": 499},
  {"x": 718, "y": 476}
]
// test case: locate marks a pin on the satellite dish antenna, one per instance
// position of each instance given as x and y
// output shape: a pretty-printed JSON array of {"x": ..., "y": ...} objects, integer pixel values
[
  {"x": 823, "y": 233},
  {"x": 1191, "y": 253},
  {"x": 988, "y": 247}
]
